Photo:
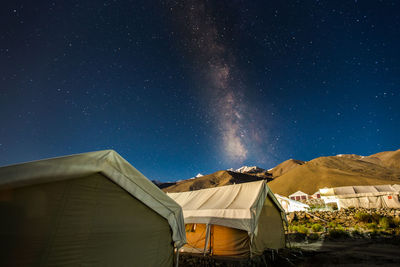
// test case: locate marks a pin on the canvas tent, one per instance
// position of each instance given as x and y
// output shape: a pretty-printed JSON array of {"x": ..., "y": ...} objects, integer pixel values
[
  {"x": 290, "y": 205},
  {"x": 375, "y": 196},
  {"x": 88, "y": 209},
  {"x": 239, "y": 220}
]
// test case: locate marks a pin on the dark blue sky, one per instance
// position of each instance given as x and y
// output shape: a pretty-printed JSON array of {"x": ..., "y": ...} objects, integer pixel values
[{"x": 181, "y": 87}]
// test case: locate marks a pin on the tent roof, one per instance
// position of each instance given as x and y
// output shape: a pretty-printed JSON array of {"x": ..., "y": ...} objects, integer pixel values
[
  {"x": 360, "y": 190},
  {"x": 236, "y": 206},
  {"x": 111, "y": 165}
]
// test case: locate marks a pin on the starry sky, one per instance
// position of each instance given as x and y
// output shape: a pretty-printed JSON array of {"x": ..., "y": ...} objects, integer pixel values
[{"x": 182, "y": 87}]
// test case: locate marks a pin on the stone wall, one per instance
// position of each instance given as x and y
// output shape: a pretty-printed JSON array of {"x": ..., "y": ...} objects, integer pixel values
[{"x": 345, "y": 217}]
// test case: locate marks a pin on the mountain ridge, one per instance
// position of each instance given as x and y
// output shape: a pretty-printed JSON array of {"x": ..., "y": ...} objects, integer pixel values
[{"x": 307, "y": 176}]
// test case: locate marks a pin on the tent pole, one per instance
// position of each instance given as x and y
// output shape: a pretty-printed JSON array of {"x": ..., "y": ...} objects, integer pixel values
[
  {"x": 177, "y": 257},
  {"x": 207, "y": 239}
]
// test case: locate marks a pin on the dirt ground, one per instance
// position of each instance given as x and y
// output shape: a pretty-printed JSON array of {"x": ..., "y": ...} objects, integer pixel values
[
  {"x": 348, "y": 252},
  {"x": 372, "y": 252}
]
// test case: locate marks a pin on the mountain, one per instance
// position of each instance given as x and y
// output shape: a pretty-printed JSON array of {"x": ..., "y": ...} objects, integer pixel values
[
  {"x": 293, "y": 175},
  {"x": 162, "y": 185},
  {"x": 248, "y": 169},
  {"x": 219, "y": 178},
  {"x": 285, "y": 166},
  {"x": 340, "y": 170},
  {"x": 389, "y": 159}
]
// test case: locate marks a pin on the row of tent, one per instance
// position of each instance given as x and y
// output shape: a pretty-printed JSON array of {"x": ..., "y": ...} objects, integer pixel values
[
  {"x": 368, "y": 196},
  {"x": 96, "y": 209}
]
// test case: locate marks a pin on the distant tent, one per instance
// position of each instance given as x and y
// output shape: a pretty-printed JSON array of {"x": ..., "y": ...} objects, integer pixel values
[
  {"x": 290, "y": 205},
  {"x": 88, "y": 209},
  {"x": 375, "y": 196},
  {"x": 239, "y": 220}
]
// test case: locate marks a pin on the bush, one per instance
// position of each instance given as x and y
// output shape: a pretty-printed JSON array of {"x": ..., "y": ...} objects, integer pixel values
[
  {"x": 338, "y": 233},
  {"x": 313, "y": 236},
  {"x": 332, "y": 225},
  {"x": 298, "y": 229},
  {"x": 356, "y": 233},
  {"x": 302, "y": 229},
  {"x": 371, "y": 226},
  {"x": 362, "y": 217},
  {"x": 316, "y": 227},
  {"x": 395, "y": 222},
  {"x": 376, "y": 218},
  {"x": 384, "y": 223}
]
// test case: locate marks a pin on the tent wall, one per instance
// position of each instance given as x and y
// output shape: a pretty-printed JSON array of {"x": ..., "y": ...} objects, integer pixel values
[
  {"x": 230, "y": 242},
  {"x": 270, "y": 233},
  {"x": 83, "y": 221},
  {"x": 195, "y": 237},
  {"x": 382, "y": 201},
  {"x": 224, "y": 241}
]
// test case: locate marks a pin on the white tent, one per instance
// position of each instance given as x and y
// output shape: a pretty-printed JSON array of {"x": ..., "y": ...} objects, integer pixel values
[
  {"x": 86, "y": 209},
  {"x": 235, "y": 220},
  {"x": 290, "y": 205},
  {"x": 375, "y": 196}
]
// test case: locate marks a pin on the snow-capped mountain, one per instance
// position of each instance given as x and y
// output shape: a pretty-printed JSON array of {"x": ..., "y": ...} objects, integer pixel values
[{"x": 247, "y": 169}]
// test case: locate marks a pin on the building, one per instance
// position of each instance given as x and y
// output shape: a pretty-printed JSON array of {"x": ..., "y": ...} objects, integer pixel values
[{"x": 299, "y": 196}]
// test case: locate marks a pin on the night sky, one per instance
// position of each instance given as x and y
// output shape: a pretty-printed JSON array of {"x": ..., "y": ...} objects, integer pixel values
[{"x": 182, "y": 87}]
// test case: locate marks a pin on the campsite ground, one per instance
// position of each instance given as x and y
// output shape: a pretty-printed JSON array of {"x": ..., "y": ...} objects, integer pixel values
[
  {"x": 341, "y": 252},
  {"x": 350, "y": 252}
]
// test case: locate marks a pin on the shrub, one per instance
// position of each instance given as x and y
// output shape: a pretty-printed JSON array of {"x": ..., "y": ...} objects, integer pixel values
[
  {"x": 384, "y": 223},
  {"x": 376, "y": 218},
  {"x": 313, "y": 236},
  {"x": 355, "y": 233},
  {"x": 302, "y": 229},
  {"x": 338, "y": 233},
  {"x": 372, "y": 226},
  {"x": 395, "y": 222},
  {"x": 332, "y": 225},
  {"x": 362, "y": 217},
  {"x": 293, "y": 228},
  {"x": 316, "y": 227}
]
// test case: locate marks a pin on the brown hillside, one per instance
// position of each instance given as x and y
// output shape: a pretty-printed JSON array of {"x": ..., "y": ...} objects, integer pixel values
[
  {"x": 285, "y": 166},
  {"x": 335, "y": 171},
  {"x": 388, "y": 158},
  {"x": 215, "y": 179}
]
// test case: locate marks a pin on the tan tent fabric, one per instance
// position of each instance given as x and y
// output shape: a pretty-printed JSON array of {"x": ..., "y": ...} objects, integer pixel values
[
  {"x": 223, "y": 241},
  {"x": 112, "y": 166},
  {"x": 87, "y": 221},
  {"x": 92, "y": 209},
  {"x": 237, "y": 206},
  {"x": 230, "y": 211},
  {"x": 352, "y": 190},
  {"x": 195, "y": 237},
  {"x": 226, "y": 241},
  {"x": 271, "y": 233},
  {"x": 377, "y": 196}
]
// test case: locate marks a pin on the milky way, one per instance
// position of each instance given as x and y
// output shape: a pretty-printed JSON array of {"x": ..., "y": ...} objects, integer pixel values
[{"x": 235, "y": 122}]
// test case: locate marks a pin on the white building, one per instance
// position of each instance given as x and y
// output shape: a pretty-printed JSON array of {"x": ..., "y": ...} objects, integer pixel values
[{"x": 299, "y": 196}]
